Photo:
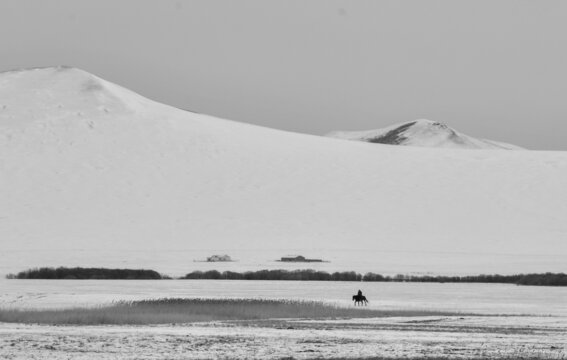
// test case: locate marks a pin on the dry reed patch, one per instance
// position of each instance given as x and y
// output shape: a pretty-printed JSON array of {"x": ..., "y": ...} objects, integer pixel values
[{"x": 179, "y": 310}]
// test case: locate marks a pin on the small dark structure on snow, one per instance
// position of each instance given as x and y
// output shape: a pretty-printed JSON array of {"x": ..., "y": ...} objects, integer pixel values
[
  {"x": 219, "y": 258},
  {"x": 298, "y": 258}
]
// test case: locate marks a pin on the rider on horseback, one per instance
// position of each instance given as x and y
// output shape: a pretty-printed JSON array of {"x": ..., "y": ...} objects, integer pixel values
[{"x": 359, "y": 299}]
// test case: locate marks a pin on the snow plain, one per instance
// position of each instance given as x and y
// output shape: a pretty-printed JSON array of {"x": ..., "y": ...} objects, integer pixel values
[
  {"x": 446, "y": 337},
  {"x": 512, "y": 322},
  {"x": 93, "y": 174},
  {"x": 485, "y": 299}
]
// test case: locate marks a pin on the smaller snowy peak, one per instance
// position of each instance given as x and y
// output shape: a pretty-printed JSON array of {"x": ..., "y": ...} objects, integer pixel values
[
  {"x": 424, "y": 133},
  {"x": 60, "y": 92}
]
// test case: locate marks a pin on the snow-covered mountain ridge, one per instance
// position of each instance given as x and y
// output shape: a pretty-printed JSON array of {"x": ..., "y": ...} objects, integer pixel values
[
  {"x": 89, "y": 168},
  {"x": 424, "y": 133}
]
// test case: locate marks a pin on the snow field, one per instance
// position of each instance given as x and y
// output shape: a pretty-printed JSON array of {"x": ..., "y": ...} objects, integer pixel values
[{"x": 90, "y": 168}]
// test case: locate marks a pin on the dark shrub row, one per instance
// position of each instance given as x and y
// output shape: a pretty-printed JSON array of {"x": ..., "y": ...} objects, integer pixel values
[
  {"x": 544, "y": 279},
  {"x": 87, "y": 273},
  {"x": 547, "y": 279},
  {"x": 306, "y": 275}
]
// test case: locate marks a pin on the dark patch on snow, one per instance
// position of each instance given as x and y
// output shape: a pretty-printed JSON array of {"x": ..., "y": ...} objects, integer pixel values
[
  {"x": 393, "y": 137},
  {"x": 454, "y": 137},
  {"x": 191, "y": 111},
  {"x": 92, "y": 85}
]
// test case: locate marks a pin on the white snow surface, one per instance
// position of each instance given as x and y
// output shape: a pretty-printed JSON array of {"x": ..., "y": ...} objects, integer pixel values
[
  {"x": 490, "y": 321},
  {"x": 89, "y": 167},
  {"x": 451, "y": 337},
  {"x": 424, "y": 133}
]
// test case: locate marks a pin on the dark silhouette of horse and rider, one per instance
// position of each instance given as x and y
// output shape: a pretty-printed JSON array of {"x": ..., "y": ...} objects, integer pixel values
[{"x": 359, "y": 299}]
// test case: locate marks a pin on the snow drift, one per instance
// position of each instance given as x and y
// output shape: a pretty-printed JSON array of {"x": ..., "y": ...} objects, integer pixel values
[{"x": 89, "y": 166}]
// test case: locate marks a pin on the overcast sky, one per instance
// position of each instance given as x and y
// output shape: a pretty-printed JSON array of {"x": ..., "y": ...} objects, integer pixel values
[{"x": 492, "y": 69}]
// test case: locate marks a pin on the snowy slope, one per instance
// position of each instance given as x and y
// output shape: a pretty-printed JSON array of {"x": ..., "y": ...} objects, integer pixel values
[
  {"x": 88, "y": 168},
  {"x": 422, "y": 132}
]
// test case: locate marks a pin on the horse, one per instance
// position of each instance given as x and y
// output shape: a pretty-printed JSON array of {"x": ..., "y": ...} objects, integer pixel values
[{"x": 359, "y": 299}]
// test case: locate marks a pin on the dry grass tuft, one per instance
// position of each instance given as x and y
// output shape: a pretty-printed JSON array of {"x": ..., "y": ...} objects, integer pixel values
[{"x": 176, "y": 310}]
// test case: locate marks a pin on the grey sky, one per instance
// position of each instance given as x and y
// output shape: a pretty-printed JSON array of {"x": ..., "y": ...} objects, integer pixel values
[{"x": 493, "y": 69}]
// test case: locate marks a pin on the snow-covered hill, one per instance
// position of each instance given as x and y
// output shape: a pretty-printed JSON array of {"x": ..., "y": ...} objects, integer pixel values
[
  {"x": 94, "y": 174},
  {"x": 422, "y": 132}
]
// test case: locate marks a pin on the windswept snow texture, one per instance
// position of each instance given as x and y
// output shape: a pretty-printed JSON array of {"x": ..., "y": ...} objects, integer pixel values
[
  {"x": 434, "y": 337},
  {"x": 424, "y": 133},
  {"x": 92, "y": 167}
]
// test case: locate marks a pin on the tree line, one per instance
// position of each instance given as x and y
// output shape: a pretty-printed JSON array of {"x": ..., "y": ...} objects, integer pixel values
[
  {"x": 80, "y": 273},
  {"x": 545, "y": 279},
  {"x": 302, "y": 275},
  {"x": 542, "y": 279}
]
